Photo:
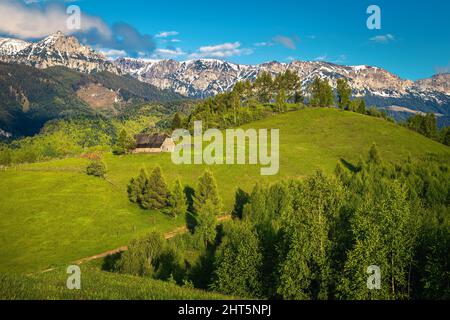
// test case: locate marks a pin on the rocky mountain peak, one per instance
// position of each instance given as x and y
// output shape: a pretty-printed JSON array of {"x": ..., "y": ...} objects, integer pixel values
[{"x": 58, "y": 50}]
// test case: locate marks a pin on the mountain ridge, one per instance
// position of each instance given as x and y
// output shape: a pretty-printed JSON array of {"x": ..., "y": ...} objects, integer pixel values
[
  {"x": 55, "y": 50},
  {"x": 202, "y": 78}
]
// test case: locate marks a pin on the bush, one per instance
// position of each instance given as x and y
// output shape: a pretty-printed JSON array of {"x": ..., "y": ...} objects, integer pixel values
[
  {"x": 143, "y": 255},
  {"x": 96, "y": 169}
]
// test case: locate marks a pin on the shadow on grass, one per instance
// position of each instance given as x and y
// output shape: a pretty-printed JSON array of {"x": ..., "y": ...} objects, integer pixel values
[
  {"x": 349, "y": 165},
  {"x": 111, "y": 262}
]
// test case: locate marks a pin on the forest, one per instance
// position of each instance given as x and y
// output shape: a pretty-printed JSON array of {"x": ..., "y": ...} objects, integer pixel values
[{"x": 304, "y": 239}]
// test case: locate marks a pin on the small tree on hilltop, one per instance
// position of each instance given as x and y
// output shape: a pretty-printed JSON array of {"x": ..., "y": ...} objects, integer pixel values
[
  {"x": 207, "y": 190},
  {"x": 344, "y": 93},
  {"x": 156, "y": 193},
  {"x": 264, "y": 87},
  {"x": 321, "y": 93},
  {"x": 178, "y": 200},
  {"x": 362, "y": 107}
]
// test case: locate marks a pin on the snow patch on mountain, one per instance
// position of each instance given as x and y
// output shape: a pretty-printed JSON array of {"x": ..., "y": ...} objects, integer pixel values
[{"x": 55, "y": 50}]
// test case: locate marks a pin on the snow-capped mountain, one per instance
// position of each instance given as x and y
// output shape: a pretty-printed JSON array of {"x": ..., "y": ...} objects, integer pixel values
[
  {"x": 10, "y": 47},
  {"x": 208, "y": 77},
  {"x": 55, "y": 50},
  {"x": 193, "y": 78}
]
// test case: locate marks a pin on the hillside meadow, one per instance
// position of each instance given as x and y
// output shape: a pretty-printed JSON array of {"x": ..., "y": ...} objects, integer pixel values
[
  {"x": 96, "y": 285},
  {"x": 52, "y": 213}
]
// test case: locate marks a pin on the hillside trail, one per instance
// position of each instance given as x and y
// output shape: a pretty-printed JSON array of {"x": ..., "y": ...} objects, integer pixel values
[{"x": 167, "y": 236}]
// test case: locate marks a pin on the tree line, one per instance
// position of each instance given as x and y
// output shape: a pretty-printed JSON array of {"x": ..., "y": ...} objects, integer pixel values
[
  {"x": 249, "y": 101},
  {"x": 151, "y": 192},
  {"x": 427, "y": 125}
]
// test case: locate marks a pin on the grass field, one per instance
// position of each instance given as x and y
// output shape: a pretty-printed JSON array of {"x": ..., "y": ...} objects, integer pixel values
[
  {"x": 96, "y": 285},
  {"x": 52, "y": 213}
]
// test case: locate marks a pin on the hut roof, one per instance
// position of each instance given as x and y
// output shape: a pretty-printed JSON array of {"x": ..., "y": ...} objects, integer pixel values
[{"x": 150, "y": 140}]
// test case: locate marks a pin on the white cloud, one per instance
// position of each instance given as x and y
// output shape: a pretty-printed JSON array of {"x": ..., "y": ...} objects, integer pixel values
[
  {"x": 224, "y": 50},
  {"x": 34, "y": 21},
  {"x": 220, "y": 47},
  {"x": 168, "y": 53},
  {"x": 263, "y": 44},
  {"x": 383, "y": 38},
  {"x": 113, "y": 53},
  {"x": 166, "y": 34}
]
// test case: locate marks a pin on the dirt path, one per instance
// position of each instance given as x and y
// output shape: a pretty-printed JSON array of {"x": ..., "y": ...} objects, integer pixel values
[{"x": 167, "y": 236}]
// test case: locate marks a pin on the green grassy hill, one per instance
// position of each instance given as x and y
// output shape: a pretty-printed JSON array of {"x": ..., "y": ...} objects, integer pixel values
[
  {"x": 52, "y": 213},
  {"x": 96, "y": 285}
]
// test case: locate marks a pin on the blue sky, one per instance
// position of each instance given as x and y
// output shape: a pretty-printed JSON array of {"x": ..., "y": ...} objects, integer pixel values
[{"x": 414, "y": 41}]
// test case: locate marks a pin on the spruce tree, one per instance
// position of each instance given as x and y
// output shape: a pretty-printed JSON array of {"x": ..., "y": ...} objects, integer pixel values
[
  {"x": 362, "y": 107},
  {"x": 344, "y": 93},
  {"x": 156, "y": 193},
  {"x": 321, "y": 93},
  {"x": 264, "y": 87},
  {"x": 136, "y": 187},
  {"x": 143, "y": 255},
  {"x": 178, "y": 200},
  {"x": 207, "y": 191}
]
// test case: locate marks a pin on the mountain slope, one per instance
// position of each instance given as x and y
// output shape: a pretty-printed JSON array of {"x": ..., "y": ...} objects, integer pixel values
[{"x": 29, "y": 97}]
